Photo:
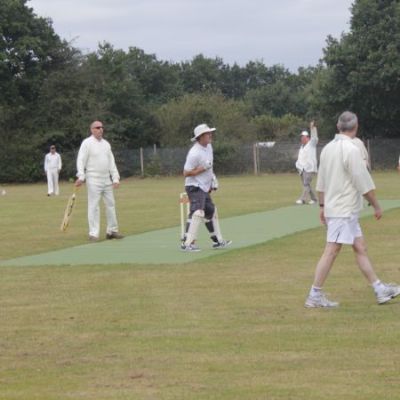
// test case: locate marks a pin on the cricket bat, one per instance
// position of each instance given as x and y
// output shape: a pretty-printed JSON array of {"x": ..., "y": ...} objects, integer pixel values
[{"x": 68, "y": 211}]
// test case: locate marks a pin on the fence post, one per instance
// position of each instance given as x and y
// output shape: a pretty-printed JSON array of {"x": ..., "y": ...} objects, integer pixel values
[
  {"x": 141, "y": 162},
  {"x": 255, "y": 161},
  {"x": 255, "y": 158}
]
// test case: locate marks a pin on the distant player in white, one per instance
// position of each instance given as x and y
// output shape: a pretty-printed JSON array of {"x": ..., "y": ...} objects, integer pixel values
[
  {"x": 96, "y": 165},
  {"x": 52, "y": 168},
  {"x": 306, "y": 163},
  {"x": 199, "y": 182}
]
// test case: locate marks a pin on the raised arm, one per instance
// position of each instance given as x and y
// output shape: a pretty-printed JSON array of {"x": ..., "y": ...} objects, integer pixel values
[{"x": 314, "y": 132}]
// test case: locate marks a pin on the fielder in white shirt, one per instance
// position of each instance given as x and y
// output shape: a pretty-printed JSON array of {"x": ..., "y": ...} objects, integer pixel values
[
  {"x": 199, "y": 182},
  {"x": 306, "y": 163},
  {"x": 96, "y": 166},
  {"x": 52, "y": 168},
  {"x": 343, "y": 181}
]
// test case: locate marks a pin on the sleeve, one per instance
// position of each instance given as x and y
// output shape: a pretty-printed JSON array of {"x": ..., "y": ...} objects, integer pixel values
[
  {"x": 320, "y": 187},
  {"x": 45, "y": 163},
  {"x": 364, "y": 152},
  {"x": 314, "y": 136},
  {"x": 192, "y": 162},
  {"x": 113, "y": 168},
  {"x": 358, "y": 171},
  {"x": 82, "y": 160},
  {"x": 59, "y": 163}
]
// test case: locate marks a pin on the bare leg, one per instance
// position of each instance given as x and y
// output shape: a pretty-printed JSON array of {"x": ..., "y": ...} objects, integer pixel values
[
  {"x": 363, "y": 261},
  {"x": 325, "y": 263}
]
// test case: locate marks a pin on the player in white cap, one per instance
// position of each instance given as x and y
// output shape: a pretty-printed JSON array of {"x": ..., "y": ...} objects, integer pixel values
[{"x": 306, "y": 163}]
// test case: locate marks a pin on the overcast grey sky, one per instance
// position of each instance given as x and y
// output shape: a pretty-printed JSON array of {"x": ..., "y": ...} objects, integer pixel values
[{"x": 287, "y": 32}]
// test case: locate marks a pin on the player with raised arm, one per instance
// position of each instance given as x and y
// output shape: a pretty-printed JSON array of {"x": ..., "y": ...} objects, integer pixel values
[{"x": 306, "y": 163}]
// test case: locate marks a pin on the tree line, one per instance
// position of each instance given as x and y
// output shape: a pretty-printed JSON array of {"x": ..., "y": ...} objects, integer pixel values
[{"x": 50, "y": 91}]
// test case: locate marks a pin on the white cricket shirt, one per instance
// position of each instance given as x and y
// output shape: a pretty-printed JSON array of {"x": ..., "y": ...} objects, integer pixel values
[
  {"x": 200, "y": 156},
  {"x": 96, "y": 161},
  {"x": 307, "y": 158},
  {"x": 343, "y": 177},
  {"x": 52, "y": 161}
]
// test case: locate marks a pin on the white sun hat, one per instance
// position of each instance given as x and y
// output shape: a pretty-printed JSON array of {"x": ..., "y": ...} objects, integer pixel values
[
  {"x": 305, "y": 133},
  {"x": 200, "y": 129}
]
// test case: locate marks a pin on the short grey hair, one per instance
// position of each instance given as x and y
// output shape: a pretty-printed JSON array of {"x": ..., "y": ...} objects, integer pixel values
[{"x": 347, "y": 121}]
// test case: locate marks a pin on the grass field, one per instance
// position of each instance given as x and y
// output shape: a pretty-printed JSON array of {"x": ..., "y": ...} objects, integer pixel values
[{"x": 228, "y": 327}]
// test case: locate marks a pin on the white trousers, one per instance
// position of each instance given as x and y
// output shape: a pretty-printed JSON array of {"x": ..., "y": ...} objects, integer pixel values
[
  {"x": 52, "y": 181},
  {"x": 97, "y": 190}
]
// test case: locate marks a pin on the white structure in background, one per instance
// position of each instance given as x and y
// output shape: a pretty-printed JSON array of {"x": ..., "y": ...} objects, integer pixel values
[{"x": 256, "y": 154}]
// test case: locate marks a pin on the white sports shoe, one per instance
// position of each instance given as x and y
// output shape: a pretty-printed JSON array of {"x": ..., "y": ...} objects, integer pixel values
[
  {"x": 319, "y": 301},
  {"x": 390, "y": 291},
  {"x": 222, "y": 245},
  {"x": 191, "y": 248},
  {"x": 311, "y": 202},
  {"x": 299, "y": 201}
]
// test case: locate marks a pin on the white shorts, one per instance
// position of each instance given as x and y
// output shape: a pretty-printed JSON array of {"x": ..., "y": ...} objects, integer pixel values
[{"x": 343, "y": 230}]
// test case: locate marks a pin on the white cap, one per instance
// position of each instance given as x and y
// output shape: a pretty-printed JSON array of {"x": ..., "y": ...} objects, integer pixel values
[
  {"x": 304, "y": 133},
  {"x": 200, "y": 129}
]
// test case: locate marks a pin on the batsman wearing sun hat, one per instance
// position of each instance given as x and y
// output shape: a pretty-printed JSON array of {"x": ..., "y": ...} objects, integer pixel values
[
  {"x": 306, "y": 164},
  {"x": 200, "y": 180}
]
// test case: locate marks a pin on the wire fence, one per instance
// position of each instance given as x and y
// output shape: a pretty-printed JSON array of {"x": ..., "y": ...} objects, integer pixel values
[{"x": 252, "y": 158}]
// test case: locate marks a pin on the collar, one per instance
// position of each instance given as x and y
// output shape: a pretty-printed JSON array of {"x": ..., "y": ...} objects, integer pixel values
[
  {"x": 342, "y": 136},
  {"x": 95, "y": 138},
  {"x": 201, "y": 146}
]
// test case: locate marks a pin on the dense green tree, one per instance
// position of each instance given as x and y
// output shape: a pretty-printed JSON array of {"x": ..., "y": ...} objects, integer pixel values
[
  {"x": 50, "y": 92},
  {"x": 363, "y": 69},
  {"x": 177, "y": 118},
  {"x": 202, "y": 74},
  {"x": 279, "y": 92},
  {"x": 159, "y": 80},
  {"x": 233, "y": 83},
  {"x": 29, "y": 50},
  {"x": 258, "y": 74},
  {"x": 67, "y": 103},
  {"x": 268, "y": 127},
  {"x": 127, "y": 86}
]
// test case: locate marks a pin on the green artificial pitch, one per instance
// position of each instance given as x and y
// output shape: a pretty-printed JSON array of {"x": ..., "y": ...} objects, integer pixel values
[{"x": 163, "y": 246}]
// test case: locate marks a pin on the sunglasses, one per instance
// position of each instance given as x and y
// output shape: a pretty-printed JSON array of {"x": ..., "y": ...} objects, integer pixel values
[{"x": 98, "y": 127}]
